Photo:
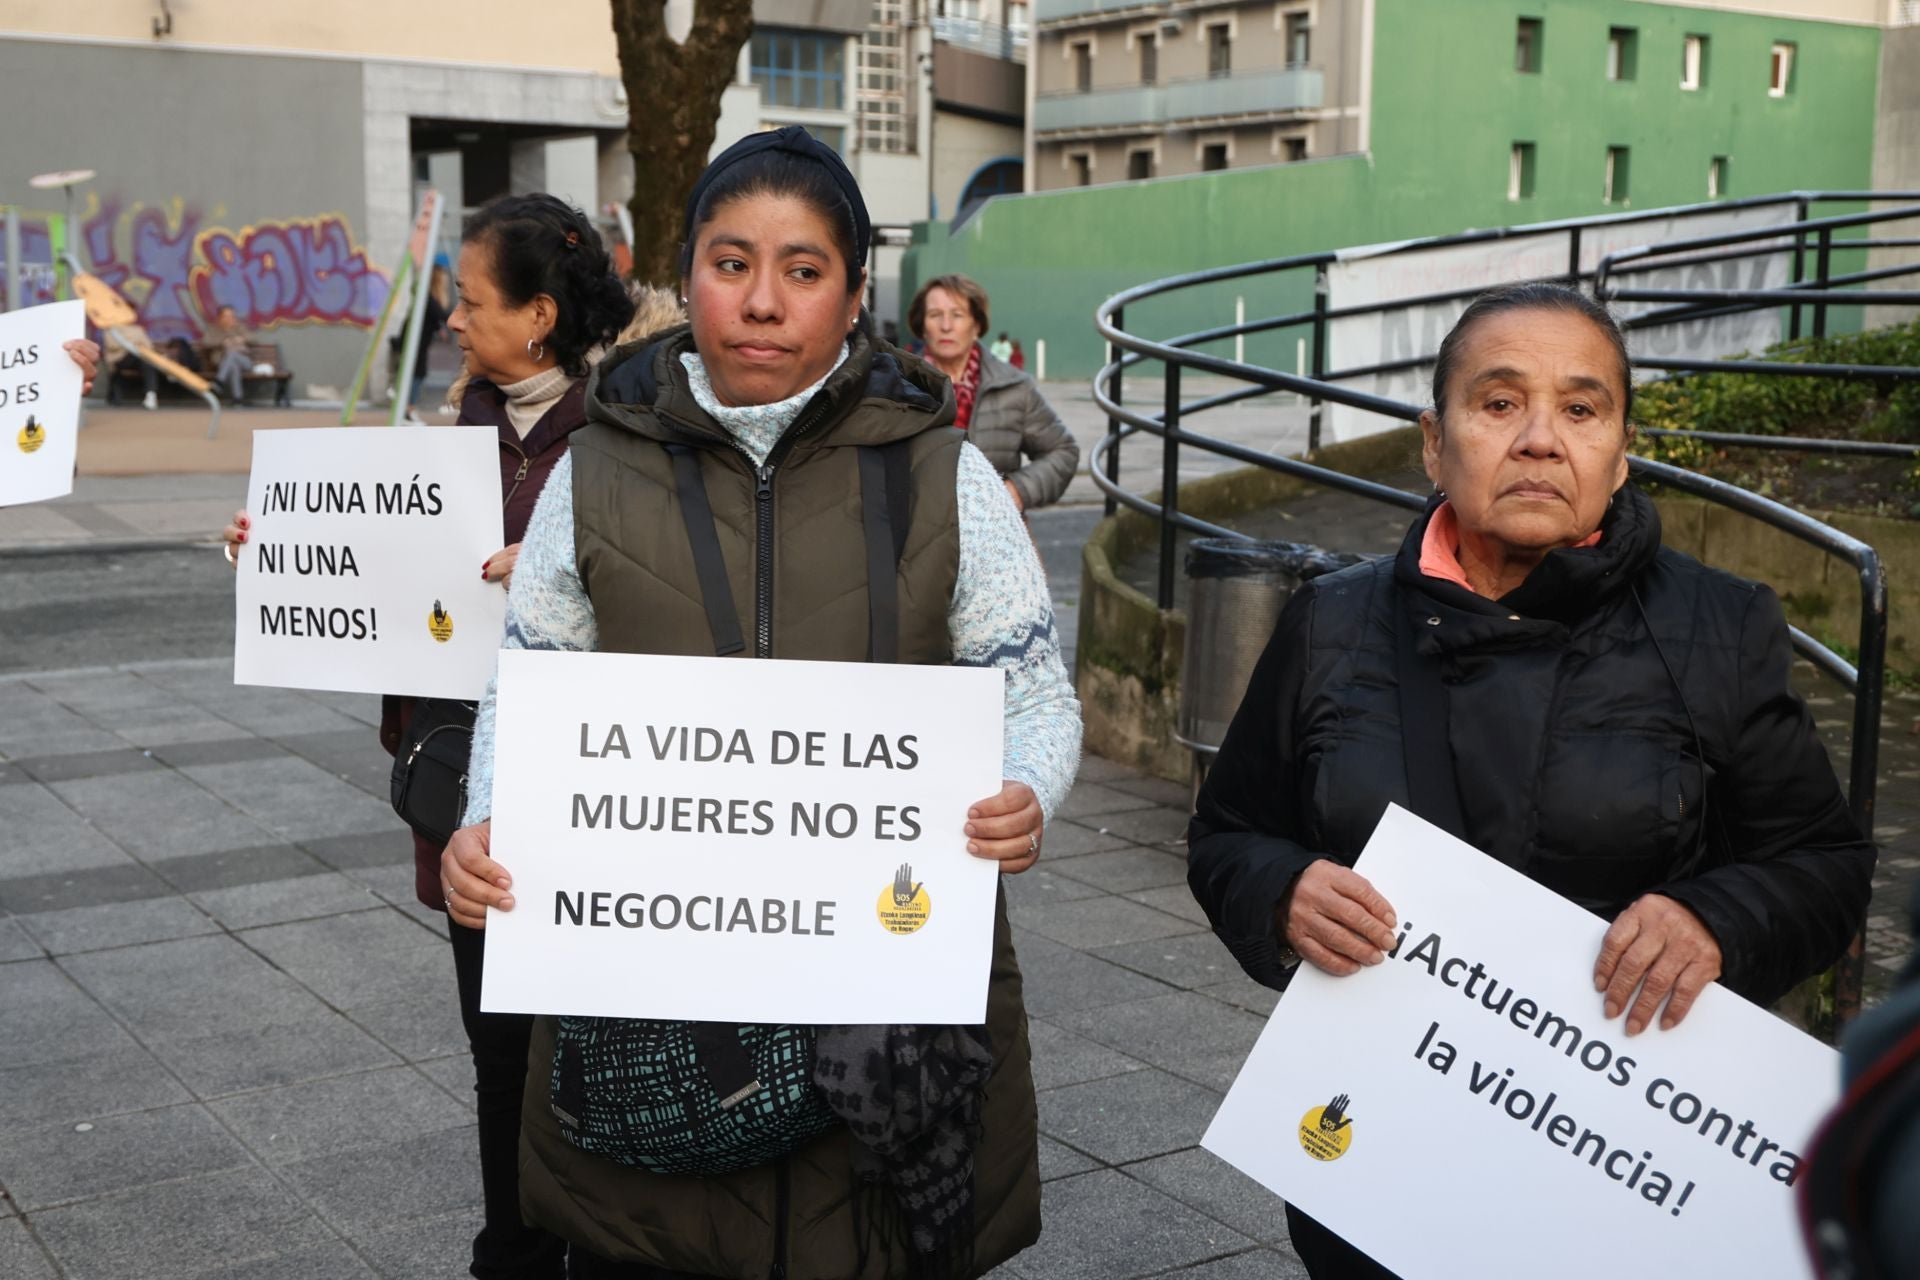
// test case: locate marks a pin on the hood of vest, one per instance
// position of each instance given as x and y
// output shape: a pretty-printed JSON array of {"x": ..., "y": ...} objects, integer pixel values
[{"x": 878, "y": 395}]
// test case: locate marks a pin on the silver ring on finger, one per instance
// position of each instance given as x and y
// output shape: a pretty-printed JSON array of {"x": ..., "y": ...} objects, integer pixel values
[{"x": 1033, "y": 842}]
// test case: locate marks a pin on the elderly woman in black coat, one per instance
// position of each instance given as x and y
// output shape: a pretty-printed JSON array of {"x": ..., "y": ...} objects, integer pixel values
[{"x": 1535, "y": 672}]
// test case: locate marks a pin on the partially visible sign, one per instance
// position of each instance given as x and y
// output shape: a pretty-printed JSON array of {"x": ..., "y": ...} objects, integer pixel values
[
  {"x": 1465, "y": 1108},
  {"x": 362, "y": 569},
  {"x": 742, "y": 841},
  {"x": 39, "y": 401}
]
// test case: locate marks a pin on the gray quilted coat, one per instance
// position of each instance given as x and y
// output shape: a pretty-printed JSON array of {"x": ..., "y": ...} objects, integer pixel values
[{"x": 1020, "y": 433}]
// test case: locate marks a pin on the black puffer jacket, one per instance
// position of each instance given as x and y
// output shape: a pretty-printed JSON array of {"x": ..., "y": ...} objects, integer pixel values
[{"x": 1574, "y": 758}]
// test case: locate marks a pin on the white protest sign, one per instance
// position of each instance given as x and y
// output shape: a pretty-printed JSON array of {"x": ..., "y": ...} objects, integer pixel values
[
  {"x": 39, "y": 401},
  {"x": 1384, "y": 274},
  {"x": 1487, "y": 1121},
  {"x": 742, "y": 841},
  {"x": 362, "y": 569}
]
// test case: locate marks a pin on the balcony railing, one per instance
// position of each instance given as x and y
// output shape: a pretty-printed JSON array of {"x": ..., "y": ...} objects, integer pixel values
[
  {"x": 990, "y": 38},
  {"x": 1054, "y": 10},
  {"x": 1244, "y": 93}
]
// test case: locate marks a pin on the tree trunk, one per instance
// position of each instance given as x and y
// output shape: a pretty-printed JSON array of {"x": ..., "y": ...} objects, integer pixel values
[{"x": 673, "y": 106}]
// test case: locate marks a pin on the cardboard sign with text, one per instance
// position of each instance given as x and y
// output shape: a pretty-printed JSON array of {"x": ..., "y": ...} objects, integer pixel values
[
  {"x": 39, "y": 401},
  {"x": 362, "y": 569},
  {"x": 742, "y": 841},
  {"x": 1465, "y": 1109}
]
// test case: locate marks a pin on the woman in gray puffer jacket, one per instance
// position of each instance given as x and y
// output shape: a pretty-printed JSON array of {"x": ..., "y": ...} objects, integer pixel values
[{"x": 999, "y": 407}]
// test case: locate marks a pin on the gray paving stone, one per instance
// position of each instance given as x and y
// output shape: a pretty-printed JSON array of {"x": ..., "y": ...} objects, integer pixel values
[
  {"x": 376, "y": 849},
  {"x": 1243, "y": 992},
  {"x": 228, "y": 868},
  {"x": 88, "y": 764},
  {"x": 1061, "y": 981},
  {"x": 193, "y": 987},
  {"x": 31, "y": 723},
  {"x": 61, "y": 1163},
  {"x": 123, "y": 1077},
  {"x": 364, "y": 707},
  {"x": 11, "y": 774},
  {"x": 1090, "y": 799},
  {"x": 81, "y": 887},
  {"x": 20, "y": 1257},
  {"x": 321, "y": 1117},
  {"x": 161, "y": 815},
  {"x": 1058, "y": 1161},
  {"x": 278, "y": 901},
  {"x": 1149, "y": 826},
  {"x": 1099, "y": 769},
  {"x": 269, "y": 712},
  {"x": 1201, "y": 1180},
  {"x": 1066, "y": 839},
  {"x": 180, "y": 1229},
  {"x": 454, "y": 1074},
  {"x": 1105, "y": 1226},
  {"x": 1060, "y": 1057},
  {"x": 216, "y": 750},
  {"x": 1184, "y": 1033},
  {"x": 374, "y": 1189},
  {"x": 351, "y": 961},
  {"x": 1097, "y": 922},
  {"x": 1126, "y": 870},
  {"x": 238, "y": 1061},
  {"x": 296, "y": 798},
  {"x": 422, "y": 1024},
  {"x": 44, "y": 835},
  {"x": 1170, "y": 795},
  {"x": 1039, "y": 886},
  {"x": 1188, "y": 961},
  {"x": 322, "y": 1262},
  {"x": 118, "y": 924},
  {"x": 1175, "y": 900},
  {"x": 46, "y": 1017},
  {"x": 437, "y": 1246},
  {"x": 164, "y": 727},
  {"x": 1128, "y": 1117},
  {"x": 104, "y": 696},
  {"x": 16, "y": 943},
  {"x": 352, "y": 755},
  {"x": 1254, "y": 1264}
]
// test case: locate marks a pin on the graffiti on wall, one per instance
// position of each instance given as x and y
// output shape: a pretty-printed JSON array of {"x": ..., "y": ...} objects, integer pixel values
[{"x": 178, "y": 266}]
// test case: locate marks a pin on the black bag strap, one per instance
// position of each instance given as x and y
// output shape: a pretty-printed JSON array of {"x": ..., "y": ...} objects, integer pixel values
[
  {"x": 1433, "y": 791},
  {"x": 723, "y": 619},
  {"x": 886, "y": 487},
  {"x": 724, "y": 1059}
]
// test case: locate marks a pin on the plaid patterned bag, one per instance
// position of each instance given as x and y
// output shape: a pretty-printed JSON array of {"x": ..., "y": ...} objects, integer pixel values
[{"x": 699, "y": 1098}]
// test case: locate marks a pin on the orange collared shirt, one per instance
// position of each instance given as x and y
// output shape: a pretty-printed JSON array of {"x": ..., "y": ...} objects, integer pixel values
[{"x": 1440, "y": 548}]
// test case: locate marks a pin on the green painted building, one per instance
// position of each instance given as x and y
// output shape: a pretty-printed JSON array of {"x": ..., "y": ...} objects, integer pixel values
[{"x": 1474, "y": 113}]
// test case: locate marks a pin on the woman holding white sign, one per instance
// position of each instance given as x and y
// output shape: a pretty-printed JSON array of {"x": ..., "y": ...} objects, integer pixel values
[
  {"x": 776, "y": 481},
  {"x": 1537, "y": 674}
]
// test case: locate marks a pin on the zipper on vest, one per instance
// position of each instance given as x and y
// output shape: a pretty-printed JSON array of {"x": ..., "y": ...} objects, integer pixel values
[
  {"x": 763, "y": 559},
  {"x": 780, "y": 1193},
  {"x": 518, "y": 476}
]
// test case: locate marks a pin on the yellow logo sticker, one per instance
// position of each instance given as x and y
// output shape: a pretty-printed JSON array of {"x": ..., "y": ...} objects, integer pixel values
[
  {"x": 904, "y": 905},
  {"x": 440, "y": 623},
  {"x": 1326, "y": 1132},
  {"x": 31, "y": 436}
]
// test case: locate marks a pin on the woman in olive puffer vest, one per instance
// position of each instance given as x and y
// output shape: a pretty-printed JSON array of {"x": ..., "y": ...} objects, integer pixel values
[{"x": 770, "y": 409}]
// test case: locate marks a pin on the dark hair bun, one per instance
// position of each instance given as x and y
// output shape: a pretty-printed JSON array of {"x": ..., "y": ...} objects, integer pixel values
[{"x": 544, "y": 245}]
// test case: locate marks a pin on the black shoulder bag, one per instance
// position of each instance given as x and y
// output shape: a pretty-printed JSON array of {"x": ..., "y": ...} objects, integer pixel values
[{"x": 428, "y": 786}]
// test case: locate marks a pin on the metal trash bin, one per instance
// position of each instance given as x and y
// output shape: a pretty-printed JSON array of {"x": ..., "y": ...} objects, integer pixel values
[{"x": 1238, "y": 590}]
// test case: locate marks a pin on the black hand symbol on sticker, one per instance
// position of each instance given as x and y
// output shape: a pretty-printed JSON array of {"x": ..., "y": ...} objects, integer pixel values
[
  {"x": 439, "y": 614},
  {"x": 904, "y": 889},
  {"x": 1335, "y": 1117}
]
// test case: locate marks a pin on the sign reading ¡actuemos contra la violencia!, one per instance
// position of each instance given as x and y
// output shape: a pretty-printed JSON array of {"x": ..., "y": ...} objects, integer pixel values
[
  {"x": 742, "y": 841},
  {"x": 1465, "y": 1107}
]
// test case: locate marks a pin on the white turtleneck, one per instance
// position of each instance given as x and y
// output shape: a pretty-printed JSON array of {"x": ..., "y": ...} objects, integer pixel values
[{"x": 529, "y": 399}]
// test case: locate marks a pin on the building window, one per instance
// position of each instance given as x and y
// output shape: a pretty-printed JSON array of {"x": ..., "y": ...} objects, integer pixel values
[
  {"x": 883, "y": 103},
  {"x": 1082, "y": 65},
  {"x": 1614, "y": 186},
  {"x": 1623, "y": 48},
  {"x": 1527, "y": 43},
  {"x": 1295, "y": 149},
  {"x": 1140, "y": 163},
  {"x": 1002, "y": 177},
  {"x": 1149, "y": 58},
  {"x": 1080, "y": 165},
  {"x": 1520, "y": 172},
  {"x": 1782, "y": 80},
  {"x": 1219, "y": 50},
  {"x": 1213, "y": 156},
  {"x": 800, "y": 69},
  {"x": 1693, "y": 63},
  {"x": 1299, "y": 40},
  {"x": 1716, "y": 177}
]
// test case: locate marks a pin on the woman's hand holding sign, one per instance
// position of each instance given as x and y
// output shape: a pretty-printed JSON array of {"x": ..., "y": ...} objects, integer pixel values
[
  {"x": 1658, "y": 940},
  {"x": 498, "y": 567},
  {"x": 1335, "y": 919},
  {"x": 471, "y": 880},
  {"x": 1006, "y": 828}
]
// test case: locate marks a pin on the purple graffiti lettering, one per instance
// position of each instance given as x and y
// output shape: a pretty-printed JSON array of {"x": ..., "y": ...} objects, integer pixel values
[
  {"x": 164, "y": 256},
  {"x": 288, "y": 273},
  {"x": 98, "y": 235}
]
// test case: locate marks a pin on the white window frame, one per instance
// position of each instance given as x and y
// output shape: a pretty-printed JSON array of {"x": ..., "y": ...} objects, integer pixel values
[
  {"x": 1606, "y": 182},
  {"x": 1285, "y": 10},
  {"x": 1693, "y": 60},
  {"x": 1616, "y": 51},
  {"x": 1093, "y": 160},
  {"x": 1282, "y": 133},
  {"x": 1780, "y": 68},
  {"x": 1205, "y": 140},
  {"x": 1151, "y": 149},
  {"x": 1716, "y": 177},
  {"x": 1516, "y": 168}
]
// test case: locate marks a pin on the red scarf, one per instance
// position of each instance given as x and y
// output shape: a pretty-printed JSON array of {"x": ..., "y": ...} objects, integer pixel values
[{"x": 965, "y": 389}]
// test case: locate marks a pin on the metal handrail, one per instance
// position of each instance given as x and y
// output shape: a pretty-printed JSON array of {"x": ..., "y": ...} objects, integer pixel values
[{"x": 1864, "y": 679}]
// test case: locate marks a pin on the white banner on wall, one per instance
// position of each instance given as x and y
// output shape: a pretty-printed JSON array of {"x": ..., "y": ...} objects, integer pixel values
[
  {"x": 739, "y": 841},
  {"x": 1375, "y": 274},
  {"x": 1465, "y": 1109},
  {"x": 39, "y": 401},
  {"x": 362, "y": 571}
]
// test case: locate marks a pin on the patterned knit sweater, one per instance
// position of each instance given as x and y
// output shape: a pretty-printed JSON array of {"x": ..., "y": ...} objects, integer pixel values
[{"x": 1001, "y": 615}]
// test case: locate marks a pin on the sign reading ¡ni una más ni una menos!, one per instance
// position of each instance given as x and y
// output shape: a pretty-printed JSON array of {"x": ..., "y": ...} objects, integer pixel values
[
  {"x": 362, "y": 569},
  {"x": 1465, "y": 1109},
  {"x": 742, "y": 841},
  {"x": 39, "y": 401}
]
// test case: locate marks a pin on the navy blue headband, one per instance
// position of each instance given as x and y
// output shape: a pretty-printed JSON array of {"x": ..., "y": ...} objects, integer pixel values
[{"x": 794, "y": 140}]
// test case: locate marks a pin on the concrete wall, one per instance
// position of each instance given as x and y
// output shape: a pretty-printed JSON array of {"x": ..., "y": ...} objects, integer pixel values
[
  {"x": 1896, "y": 160},
  {"x": 222, "y": 179},
  {"x": 962, "y": 145}
]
